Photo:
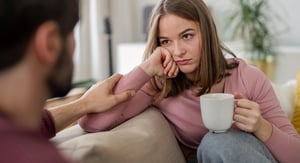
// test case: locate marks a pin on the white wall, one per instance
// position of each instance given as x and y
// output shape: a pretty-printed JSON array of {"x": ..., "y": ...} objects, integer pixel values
[
  {"x": 127, "y": 20},
  {"x": 91, "y": 52}
]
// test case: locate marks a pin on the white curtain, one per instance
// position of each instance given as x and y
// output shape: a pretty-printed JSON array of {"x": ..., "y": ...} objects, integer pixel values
[{"x": 91, "y": 53}]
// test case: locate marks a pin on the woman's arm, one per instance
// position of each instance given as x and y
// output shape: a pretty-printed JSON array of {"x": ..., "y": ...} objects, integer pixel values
[
  {"x": 159, "y": 63},
  {"x": 265, "y": 117},
  {"x": 134, "y": 80}
]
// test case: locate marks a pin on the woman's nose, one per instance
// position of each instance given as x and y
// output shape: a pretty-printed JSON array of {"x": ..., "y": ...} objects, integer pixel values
[{"x": 178, "y": 50}]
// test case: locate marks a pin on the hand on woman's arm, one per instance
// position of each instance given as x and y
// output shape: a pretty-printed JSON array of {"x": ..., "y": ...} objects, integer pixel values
[{"x": 98, "y": 98}]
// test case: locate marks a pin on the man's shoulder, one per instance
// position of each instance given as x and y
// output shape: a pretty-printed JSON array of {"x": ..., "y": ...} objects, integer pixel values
[
  {"x": 27, "y": 149},
  {"x": 21, "y": 145},
  {"x": 14, "y": 138}
]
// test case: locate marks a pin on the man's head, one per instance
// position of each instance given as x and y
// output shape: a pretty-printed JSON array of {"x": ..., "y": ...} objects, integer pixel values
[{"x": 21, "y": 20}]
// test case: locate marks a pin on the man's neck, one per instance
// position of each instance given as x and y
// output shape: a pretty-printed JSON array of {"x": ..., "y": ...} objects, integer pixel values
[{"x": 21, "y": 96}]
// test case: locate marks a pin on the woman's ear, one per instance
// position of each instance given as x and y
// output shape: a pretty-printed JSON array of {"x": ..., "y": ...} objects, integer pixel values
[{"x": 47, "y": 42}]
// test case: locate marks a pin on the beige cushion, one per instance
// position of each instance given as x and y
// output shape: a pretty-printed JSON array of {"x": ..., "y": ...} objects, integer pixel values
[
  {"x": 146, "y": 138},
  {"x": 286, "y": 95}
]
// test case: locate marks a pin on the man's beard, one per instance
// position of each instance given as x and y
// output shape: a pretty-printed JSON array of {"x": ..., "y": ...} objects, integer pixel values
[{"x": 60, "y": 80}]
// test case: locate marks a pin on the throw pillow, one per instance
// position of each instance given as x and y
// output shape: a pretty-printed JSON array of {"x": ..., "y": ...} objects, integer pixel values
[{"x": 296, "y": 115}]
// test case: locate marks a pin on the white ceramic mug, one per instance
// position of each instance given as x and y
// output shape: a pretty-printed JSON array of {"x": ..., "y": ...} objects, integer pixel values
[{"x": 217, "y": 111}]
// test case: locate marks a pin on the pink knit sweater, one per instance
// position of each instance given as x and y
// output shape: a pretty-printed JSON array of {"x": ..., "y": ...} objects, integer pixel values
[{"x": 183, "y": 111}]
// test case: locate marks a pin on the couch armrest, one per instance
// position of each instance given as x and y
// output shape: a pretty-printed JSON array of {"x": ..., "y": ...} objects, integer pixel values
[{"x": 145, "y": 138}]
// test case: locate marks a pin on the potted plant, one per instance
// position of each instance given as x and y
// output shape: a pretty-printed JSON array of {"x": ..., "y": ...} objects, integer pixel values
[{"x": 251, "y": 21}]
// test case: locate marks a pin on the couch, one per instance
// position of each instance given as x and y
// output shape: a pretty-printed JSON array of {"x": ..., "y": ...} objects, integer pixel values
[{"x": 146, "y": 138}]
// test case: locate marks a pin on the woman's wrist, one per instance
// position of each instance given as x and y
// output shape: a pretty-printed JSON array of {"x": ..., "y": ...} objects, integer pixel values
[
  {"x": 265, "y": 130},
  {"x": 146, "y": 66}
]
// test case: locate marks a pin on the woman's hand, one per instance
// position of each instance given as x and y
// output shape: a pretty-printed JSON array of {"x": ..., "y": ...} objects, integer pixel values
[
  {"x": 248, "y": 118},
  {"x": 160, "y": 63}
]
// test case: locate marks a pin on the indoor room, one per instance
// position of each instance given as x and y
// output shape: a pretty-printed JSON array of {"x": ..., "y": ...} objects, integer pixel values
[
  {"x": 149, "y": 81},
  {"x": 111, "y": 38}
]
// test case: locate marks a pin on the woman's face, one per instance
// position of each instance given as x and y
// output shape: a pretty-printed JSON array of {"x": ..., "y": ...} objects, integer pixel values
[{"x": 181, "y": 37}]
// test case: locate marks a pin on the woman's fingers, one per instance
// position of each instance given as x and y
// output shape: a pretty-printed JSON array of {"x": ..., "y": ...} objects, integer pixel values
[
  {"x": 247, "y": 115},
  {"x": 170, "y": 67}
]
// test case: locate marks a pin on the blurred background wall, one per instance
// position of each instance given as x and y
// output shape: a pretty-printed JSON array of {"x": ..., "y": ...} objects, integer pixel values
[{"x": 127, "y": 21}]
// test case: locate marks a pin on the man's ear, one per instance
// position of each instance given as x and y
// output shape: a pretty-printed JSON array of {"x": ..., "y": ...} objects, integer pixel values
[{"x": 47, "y": 42}]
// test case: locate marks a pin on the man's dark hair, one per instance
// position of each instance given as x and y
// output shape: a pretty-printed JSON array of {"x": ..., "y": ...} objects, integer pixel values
[{"x": 19, "y": 20}]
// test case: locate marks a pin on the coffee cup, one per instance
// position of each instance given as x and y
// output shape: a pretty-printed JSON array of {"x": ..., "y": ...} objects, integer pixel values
[{"x": 217, "y": 111}]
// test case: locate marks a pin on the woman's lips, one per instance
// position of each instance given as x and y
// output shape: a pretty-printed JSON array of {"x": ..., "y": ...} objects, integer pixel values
[{"x": 183, "y": 62}]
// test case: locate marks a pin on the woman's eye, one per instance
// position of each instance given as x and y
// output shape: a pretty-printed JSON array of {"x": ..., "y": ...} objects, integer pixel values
[
  {"x": 187, "y": 36},
  {"x": 164, "y": 42}
]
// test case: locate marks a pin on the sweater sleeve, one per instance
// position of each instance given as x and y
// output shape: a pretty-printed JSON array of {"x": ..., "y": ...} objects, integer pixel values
[
  {"x": 47, "y": 128},
  {"x": 134, "y": 80},
  {"x": 284, "y": 142}
]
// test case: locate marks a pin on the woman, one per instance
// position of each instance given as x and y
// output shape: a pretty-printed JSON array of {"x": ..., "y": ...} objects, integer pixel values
[{"x": 185, "y": 59}]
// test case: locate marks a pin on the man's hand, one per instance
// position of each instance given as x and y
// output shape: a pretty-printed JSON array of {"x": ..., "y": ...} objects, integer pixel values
[{"x": 100, "y": 96}]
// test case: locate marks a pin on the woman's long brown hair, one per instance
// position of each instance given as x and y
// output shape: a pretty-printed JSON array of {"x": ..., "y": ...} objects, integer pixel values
[{"x": 213, "y": 64}]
